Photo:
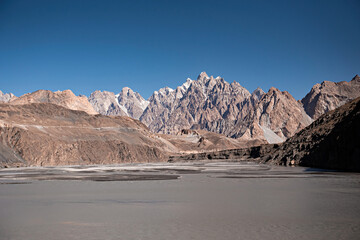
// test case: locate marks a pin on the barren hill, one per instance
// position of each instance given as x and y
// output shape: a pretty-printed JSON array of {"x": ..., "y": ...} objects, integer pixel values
[
  {"x": 47, "y": 134},
  {"x": 62, "y": 98}
]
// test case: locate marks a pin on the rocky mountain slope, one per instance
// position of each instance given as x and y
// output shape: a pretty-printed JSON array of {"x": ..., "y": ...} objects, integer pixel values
[
  {"x": 65, "y": 98},
  {"x": 44, "y": 134},
  {"x": 215, "y": 105},
  {"x": 275, "y": 117},
  {"x": 331, "y": 142},
  {"x": 132, "y": 101},
  {"x": 106, "y": 103},
  {"x": 203, "y": 102},
  {"x": 125, "y": 103},
  {"x": 327, "y": 96},
  {"x": 210, "y": 104}
]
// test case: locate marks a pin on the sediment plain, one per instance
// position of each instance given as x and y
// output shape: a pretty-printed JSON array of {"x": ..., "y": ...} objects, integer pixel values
[{"x": 197, "y": 200}]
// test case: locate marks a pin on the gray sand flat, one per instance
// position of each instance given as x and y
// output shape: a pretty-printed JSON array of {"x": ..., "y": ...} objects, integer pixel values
[{"x": 202, "y": 200}]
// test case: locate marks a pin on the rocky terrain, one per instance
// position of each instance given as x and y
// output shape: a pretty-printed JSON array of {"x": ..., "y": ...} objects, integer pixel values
[
  {"x": 106, "y": 103},
  {"x": 202, "y": 117},
  {"x": 42, "y": 134},
  {"x": 65, "y": 99},
  {"x": 194, "y": 141},
  {"x": 125, "y": 103},
  {"x": 45, "y": 134},
  {"x": 215, "y": 105},
  {"x": 331, "y": 142},
  {"x": 327, "y": 96},
  {"x": 210, "y": 104},
  {"x": 274, "y": 118}
]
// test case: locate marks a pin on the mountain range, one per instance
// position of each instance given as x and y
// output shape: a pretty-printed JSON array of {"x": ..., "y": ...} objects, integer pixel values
[
  {"x": 330, "y": 142},
  {"x": 211, "y": 104}
]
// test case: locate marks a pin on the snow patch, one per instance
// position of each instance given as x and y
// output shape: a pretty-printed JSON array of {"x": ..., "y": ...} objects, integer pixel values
[
  {"x": 121, "y": 106},
  {"x": 204, "y": 92},
  {"x": 124, "y": 109},
  {"x": 187, "y": 84},
  {"x": 270, "y": 136},
  {"x": 143, "y": 104},
  {"x": 165, "y": 91}
]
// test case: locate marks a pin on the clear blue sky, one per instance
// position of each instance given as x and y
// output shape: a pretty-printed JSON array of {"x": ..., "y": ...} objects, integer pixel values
[{"x": 145, "y": 45}]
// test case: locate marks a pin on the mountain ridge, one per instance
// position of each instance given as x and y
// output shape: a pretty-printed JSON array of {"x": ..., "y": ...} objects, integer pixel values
[{"x": 211, "y": 104}]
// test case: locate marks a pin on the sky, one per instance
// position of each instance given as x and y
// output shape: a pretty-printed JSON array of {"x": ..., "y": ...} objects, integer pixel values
[{"x": 146, "y": 45}]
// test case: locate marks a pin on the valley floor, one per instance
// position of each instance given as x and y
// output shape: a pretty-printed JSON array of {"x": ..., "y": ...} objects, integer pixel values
[{"x": 197, "y": 200}]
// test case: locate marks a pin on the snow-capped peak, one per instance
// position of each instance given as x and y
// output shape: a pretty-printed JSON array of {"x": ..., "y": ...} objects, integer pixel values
[
  {"x": 203, "y": 76},
  {"x": 165, "y": 91}
]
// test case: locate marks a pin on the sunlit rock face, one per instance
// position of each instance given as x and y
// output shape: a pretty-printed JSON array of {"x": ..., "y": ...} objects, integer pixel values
[
  {"x": 6, "y": 97},
  {"x": 327, "y": 96},
  {"x": 45, "y": 134},
  {"x": 125, "y": 103},
  {"x": 105, "y": 103},
  {"x": 215, "y": 105},
  {"x": 64, "y": 98},
  {"x": 201, "y": 103}
]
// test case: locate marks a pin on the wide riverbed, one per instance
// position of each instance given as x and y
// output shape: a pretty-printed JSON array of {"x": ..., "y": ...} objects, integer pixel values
[{"x": 203, "y": 200}]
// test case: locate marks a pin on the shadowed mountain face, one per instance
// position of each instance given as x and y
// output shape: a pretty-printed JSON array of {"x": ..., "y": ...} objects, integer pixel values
[{"x": 332, "y": 141}]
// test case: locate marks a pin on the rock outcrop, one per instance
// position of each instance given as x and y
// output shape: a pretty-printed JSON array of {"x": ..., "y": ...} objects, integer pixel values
[
  {"x": 327, "y": 96},
  {"x": 65, "y": 99}
]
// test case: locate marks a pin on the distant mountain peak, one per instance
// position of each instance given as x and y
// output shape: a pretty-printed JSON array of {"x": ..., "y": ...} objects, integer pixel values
[
  {"x": 203, "y": 76},
  {"x": 330, "y": 95},
  {"x": 6, "y": 97},
  {"x": 258, "y": 92},
  {"x": 356, "y": 78},
  {"x": 64, "y": 98}
]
